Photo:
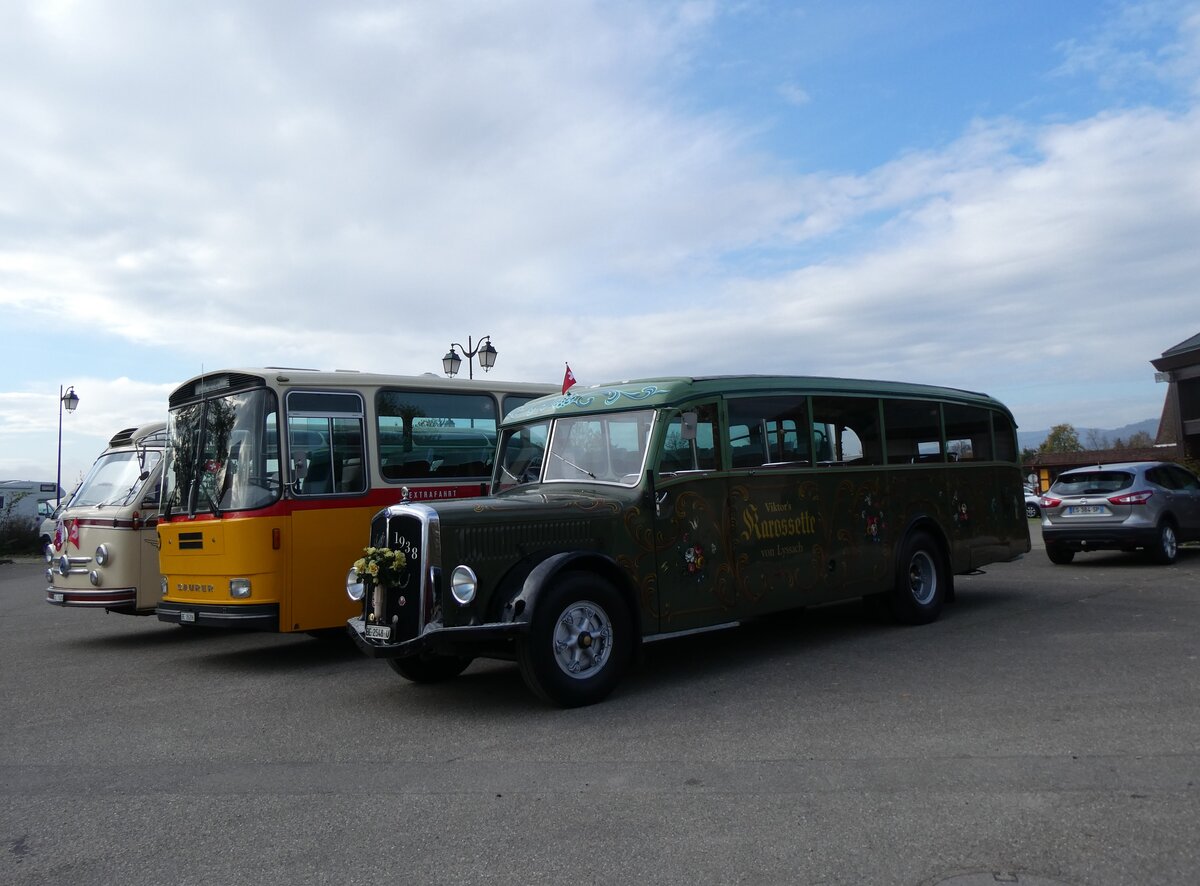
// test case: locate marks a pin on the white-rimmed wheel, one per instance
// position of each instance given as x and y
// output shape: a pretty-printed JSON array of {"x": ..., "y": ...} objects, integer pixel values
[
  {"x": 922, "y": 580},
  {"x": 579, "y": 641}
]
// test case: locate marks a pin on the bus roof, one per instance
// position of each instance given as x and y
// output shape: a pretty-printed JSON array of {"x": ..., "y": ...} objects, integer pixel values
[
  {"x": 655, "y": 392},
  {"x": 240, "y": 378}
]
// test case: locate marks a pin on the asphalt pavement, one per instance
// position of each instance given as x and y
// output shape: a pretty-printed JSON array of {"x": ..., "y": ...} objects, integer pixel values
[{"x": 1046, "y": 730}]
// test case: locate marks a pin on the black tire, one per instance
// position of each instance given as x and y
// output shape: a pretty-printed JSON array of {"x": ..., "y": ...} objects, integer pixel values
[
  {"x": 1059, "y": 554},
  {"x": 1032, "y": 512},
  {"x": 922, "y": 581},
  {"x": 1166, "y": 548},
  {"x": 430, "y": 668},
  {"x": 579, "y": 642}
]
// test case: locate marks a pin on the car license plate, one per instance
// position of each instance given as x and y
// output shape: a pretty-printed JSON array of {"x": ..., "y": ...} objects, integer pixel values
[
  {"x": 1087, "y": 509},
  {"x": 57, "y": 598},
  {"x": 187, "y": 617},
  {"x": 378, "y": 632}
]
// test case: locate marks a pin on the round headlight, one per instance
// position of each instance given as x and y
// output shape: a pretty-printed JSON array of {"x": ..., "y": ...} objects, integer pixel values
[
  {"x": 102, "y": 555},
  {"x": 463, "y": 584},
  {"x": 64, "y": 565},
  {"x": 94, "y": 578},
  {"x": 354, "y": 588}
]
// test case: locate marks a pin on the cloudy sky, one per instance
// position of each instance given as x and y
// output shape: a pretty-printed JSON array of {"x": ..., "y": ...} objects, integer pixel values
[{"x": 1001, "y": 196}]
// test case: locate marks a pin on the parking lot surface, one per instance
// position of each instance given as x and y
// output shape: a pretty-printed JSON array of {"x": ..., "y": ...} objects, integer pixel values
[{"x": 1046, "y": 730}]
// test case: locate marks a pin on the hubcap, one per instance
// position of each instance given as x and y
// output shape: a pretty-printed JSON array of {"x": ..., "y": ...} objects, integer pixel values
[
  {"x": 582, "y": 640},
  {"x": 1170, "y": 546},
  {"x": 922, "y": 577}
]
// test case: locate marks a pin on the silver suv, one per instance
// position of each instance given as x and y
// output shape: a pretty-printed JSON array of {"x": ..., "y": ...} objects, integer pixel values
[{"x": 1151, "y": 505}]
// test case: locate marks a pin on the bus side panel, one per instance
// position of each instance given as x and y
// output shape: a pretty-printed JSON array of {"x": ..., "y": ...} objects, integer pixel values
[
  {"x": 325, "y": 543},
  {"x": 149, "y": 588}
]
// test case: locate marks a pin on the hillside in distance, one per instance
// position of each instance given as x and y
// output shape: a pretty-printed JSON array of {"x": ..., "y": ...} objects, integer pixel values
[{"x": 1107, "y": 436}]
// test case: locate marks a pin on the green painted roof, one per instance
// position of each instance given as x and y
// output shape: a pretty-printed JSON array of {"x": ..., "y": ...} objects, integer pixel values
[{"x": 655, "y": 392}]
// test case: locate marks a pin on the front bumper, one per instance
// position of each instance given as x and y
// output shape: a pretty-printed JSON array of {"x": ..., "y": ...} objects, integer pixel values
[
  {"x": 252, "y": 616},
  {"x": 115, "y": 599},
  {"x": 437, "y": 639},
  {"x": 1100, "y": 538}
]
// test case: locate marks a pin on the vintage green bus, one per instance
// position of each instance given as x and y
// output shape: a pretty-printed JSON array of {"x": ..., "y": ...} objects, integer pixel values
[{"x": 634, "y": 512}]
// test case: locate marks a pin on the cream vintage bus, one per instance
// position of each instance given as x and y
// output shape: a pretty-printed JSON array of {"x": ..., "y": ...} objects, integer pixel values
[{"x": 104, "y": 553}]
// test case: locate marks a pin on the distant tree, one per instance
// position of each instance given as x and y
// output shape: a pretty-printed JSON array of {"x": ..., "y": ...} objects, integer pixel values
[
  {"x": 1028, "y": 455},
  {"x": 1096, "y": 439},
  {"x": 1140, "y": 440},
  {"x": 1062, "y": 438}
]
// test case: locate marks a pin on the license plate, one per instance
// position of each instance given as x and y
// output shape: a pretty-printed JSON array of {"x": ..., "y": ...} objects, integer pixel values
[
  {"x": 57, "y": 598},
  {"x": 378, "y": 632},
  {"x": 187, "y": 617},
  {"x": 1087, "y": 509}
]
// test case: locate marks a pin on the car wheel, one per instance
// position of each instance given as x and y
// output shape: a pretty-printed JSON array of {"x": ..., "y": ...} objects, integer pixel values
[
  {"x": 430, "y": 668},
  {"x": 1167, "y": 547},
  {"x": 1031, "y": 510},
  {"x": 579, "y": 641},
  {"x": 922, "y": 581},
  {"x": 1059, "y": 554}
]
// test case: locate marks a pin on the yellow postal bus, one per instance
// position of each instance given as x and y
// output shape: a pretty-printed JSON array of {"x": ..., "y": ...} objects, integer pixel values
[
  {"x": 104, "y": 554},
  {"x": 272, "y": 476}
]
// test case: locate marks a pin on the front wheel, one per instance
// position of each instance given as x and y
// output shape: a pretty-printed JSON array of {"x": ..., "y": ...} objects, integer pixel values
[
  {"x": 429, "y": 668},
  {"x": 1166, "y": 548},
  {"x": 579, "y": 641},
  {"x": 922, "y": 581},
  {"x": 1031, "y": 510}
]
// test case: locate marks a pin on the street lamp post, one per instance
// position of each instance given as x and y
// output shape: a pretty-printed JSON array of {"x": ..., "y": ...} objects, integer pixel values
[
  {"x": 487, "y": 356},
  {"x": 70, "y": 400}
]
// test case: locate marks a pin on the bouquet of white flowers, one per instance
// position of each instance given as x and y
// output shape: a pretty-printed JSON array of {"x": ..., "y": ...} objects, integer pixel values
[{"x": 380, "y": 566}]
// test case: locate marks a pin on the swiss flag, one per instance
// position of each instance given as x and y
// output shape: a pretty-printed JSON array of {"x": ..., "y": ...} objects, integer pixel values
[
  {"x": 73, "y": 532},
  {"x": 568, "y": 379}
]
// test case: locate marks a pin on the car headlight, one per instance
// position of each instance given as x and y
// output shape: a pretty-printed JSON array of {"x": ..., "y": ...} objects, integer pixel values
[
  {"x": 463, "y": 584},
  {"x": 355, "y": 589},
  {"x": 103, "y": 557},
  {"x": 239, "y": 588},
  {"x": 94, "y": 578},
  {"x": 162, "y": 584},
  {"x": 64, "y": 565}
]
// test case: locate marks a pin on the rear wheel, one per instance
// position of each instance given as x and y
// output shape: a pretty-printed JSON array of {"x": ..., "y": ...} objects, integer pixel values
[
  {"x": 579, "y": 641},
  {"x": 1059, "y": 554},
  {"x": 1166, "y": 548},
  {"x": 1031, "y": 510},
  {"x": 922, "y": 581},
  {"x": 429, "y": 668}
]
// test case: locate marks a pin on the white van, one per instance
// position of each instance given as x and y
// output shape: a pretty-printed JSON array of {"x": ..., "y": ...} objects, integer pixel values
[
  {"x": 104, "y": 553},
  {"x": 27, "y": 502}
]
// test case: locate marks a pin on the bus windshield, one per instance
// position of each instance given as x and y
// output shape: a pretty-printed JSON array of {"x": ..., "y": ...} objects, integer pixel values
[
  {"x": 115, "y": 479},
  {"x": 223, "y": 454},
  {"x": 604, "y": 448}
]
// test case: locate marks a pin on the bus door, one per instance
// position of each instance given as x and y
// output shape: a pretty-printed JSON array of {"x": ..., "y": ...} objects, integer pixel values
[
  {"x": 695, "y": 580},
  {"x": 327, "y": 463}
]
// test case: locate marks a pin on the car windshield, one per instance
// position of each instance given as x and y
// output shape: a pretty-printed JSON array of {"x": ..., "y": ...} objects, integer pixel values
[
  {"x": 607, "y": 448},
  {"x": 115, "y": 479},
  {"x": 1092, "y": 483}
]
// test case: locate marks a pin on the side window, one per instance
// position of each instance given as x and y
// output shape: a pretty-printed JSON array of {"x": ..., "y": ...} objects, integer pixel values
[
  {"x": 1005, "y": 436},
  {"x": 1184, "y": 480},
  {"x": 914, "y": 431},
  {"x": 968, "y": 432},
  {"x": 325, "y": 443},
  {"x": 846, "y": 430},
  {"x": 690, "y": 443},
  {"x": 437, "y": 436},
  {"x": 766, "y": 430}
]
